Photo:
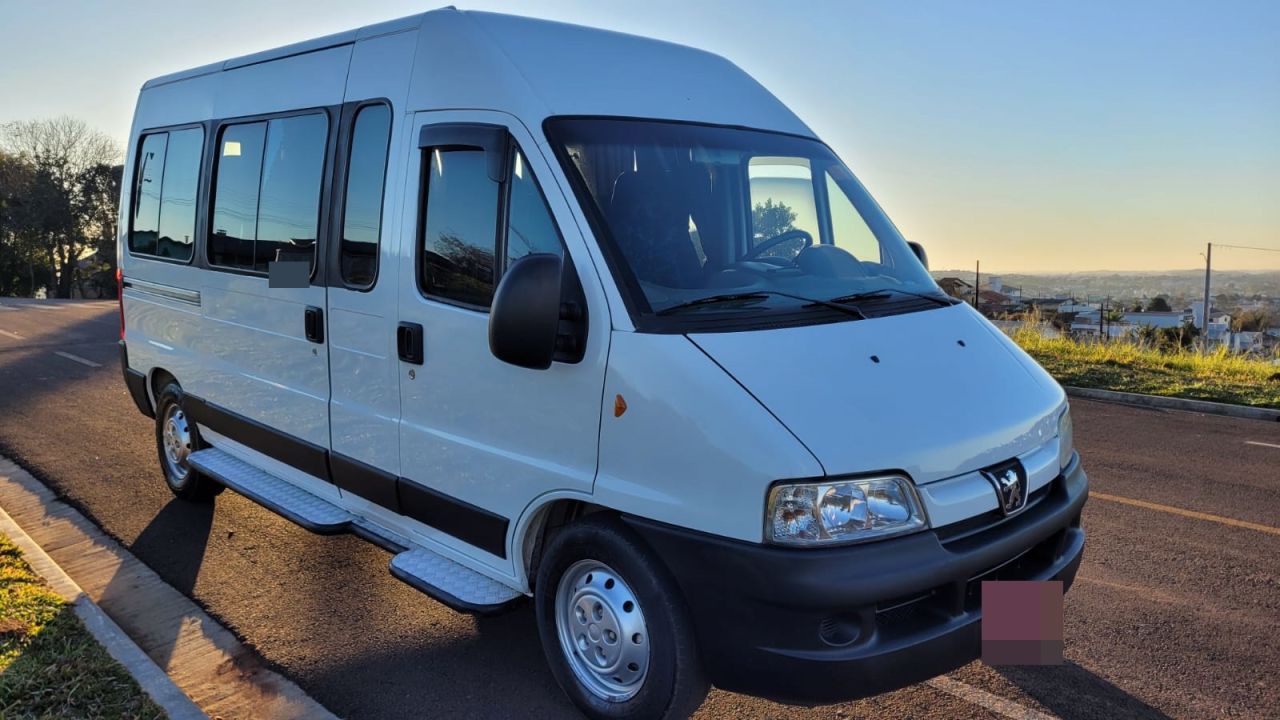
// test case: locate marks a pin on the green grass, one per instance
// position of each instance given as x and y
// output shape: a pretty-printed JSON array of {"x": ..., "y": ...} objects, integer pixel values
[
  {"x": 1128, "y": 367},
  {"x": 50, "y": 666}
]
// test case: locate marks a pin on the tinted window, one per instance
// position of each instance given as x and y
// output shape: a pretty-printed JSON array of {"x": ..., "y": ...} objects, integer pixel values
[
  {"x": 178, "y": 199},
  {"x": 362, "y": 213},
  {"x": 289, "y": 204},
  {"x": 235, "y": 199},
  {"x": 266, "y": 204},
  {"x": 146, "y": 205},
  {"x": 530, "y": 227},
  {"x": 460, "y": 227}
]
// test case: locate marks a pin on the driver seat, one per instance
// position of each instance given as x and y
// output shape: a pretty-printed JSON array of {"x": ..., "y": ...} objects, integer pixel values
[{"x": 649, "y": 215}]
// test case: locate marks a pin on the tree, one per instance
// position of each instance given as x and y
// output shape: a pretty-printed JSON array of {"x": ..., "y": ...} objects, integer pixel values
[
  {"x": 1137, "y": 306},
  {"x": 770, "y": 219},
  {"x": 1251, "y": 321},
  {"x": 1159, "y": 303},
  {"x": 63, "y": 216}
]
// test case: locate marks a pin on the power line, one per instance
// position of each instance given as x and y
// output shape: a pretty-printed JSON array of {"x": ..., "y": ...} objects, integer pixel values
[{"x": 1247, "y": 247}]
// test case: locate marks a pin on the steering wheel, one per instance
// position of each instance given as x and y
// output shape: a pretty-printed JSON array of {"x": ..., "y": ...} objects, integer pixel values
[{"x": 777, "y": 240}]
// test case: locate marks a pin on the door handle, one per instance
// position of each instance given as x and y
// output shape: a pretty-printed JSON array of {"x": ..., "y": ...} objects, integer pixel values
[
  {"x": 409, "y": 342},
  {"x": 313, "y": 322}
]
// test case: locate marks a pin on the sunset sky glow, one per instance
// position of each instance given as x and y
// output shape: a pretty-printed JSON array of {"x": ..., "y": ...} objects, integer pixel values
[{"x": 1045, "y": 136}]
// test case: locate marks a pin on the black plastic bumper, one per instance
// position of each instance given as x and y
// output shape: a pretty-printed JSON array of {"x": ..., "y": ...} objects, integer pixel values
[
  {"x": 136, "y": 382},
  {"x": 812, "y": 626}
]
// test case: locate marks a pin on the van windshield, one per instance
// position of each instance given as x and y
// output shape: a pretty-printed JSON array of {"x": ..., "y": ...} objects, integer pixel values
[{"x": 703, "y": 219}]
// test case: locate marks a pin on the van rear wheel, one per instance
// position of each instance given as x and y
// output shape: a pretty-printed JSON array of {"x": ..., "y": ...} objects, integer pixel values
[
  {"x": 614, "y": 627},
  {"x": 176, "y": 438}
]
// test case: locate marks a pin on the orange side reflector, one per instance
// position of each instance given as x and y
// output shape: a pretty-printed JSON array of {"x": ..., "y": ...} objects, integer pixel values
[{"x": 619, "y": 406}]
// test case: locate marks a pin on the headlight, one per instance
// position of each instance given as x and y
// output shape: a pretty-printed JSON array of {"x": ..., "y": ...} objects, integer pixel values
[
  {"x": 844, "y": 511},
  {"x": 1066, "y": 443}
]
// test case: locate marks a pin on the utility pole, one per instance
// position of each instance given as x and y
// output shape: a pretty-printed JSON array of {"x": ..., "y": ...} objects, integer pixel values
[
  {"x": 977, "y": 281},
  {"x": 1208, "y": 264}
]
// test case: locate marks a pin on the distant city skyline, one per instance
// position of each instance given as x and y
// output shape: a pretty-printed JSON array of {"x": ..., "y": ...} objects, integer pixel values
[{"x": 1036, "y": 137}]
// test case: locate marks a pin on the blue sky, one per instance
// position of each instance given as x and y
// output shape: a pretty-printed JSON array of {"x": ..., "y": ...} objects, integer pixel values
[{"x": 1035, "y": 136}]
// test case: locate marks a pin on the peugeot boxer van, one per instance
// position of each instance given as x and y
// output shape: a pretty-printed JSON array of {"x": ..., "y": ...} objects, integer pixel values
[{"x": 555, "y": 312}]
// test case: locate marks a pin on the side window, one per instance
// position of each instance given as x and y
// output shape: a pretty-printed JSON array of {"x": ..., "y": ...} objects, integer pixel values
[
  {"x": 848, "y": 229},
  {"x": 460, "y": 227},
  {"x": 146, "y": 194},
  {"x": 460, "y": 235},
  {"x": 164, "y": 206},
  {"x": 781, "y": 201},
  {"x": 178, "y": 200},
  {"x": 362, "y": 211},
  {"x": 235, "y": 195},
  {"x": 266, "y": 204},
  {"x": 292, "y": 173},
  {"x": 530, "y": 228}
]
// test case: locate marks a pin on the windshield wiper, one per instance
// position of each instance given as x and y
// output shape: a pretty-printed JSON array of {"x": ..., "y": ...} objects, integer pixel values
[
  {"x": 884, "y": 293},
  {"x": 760, "y": 295}
]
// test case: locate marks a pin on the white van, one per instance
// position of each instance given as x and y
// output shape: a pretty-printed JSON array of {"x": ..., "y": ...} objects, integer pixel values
[{"x": 564, "y": 313}]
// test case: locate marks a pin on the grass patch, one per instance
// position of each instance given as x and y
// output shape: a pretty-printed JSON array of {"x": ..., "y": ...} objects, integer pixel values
[
  {"x": 50, "y": 666},
  {"x": 1128, "y": 367}
]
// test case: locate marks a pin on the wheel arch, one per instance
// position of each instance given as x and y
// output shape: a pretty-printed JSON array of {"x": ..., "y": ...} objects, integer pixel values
[
  {"x": 157, "y": 378},
  {"x": 539, "y": 521}
]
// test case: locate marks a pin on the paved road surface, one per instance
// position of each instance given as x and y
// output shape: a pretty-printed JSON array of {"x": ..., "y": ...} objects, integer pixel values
[{"x": 1171, "y": 617}]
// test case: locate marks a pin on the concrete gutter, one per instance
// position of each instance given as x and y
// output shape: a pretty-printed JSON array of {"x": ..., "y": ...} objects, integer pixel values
[
  {"x": 1171, "y": 403},
  {"x": 153, "y": 681},
  {"x": 206, "y": 662}
]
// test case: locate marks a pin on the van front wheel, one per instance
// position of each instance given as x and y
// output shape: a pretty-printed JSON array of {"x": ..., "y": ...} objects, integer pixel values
[
  {"x": 614, "y": 627},
  {"x": 176, "y": 438}
]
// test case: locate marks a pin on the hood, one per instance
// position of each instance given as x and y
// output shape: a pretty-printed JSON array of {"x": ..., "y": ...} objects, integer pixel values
[{"x": 934, "y": 393}]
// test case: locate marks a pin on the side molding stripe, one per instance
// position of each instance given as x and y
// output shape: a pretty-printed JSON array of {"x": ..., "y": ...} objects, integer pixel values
[
  {"x": 307, "y": 457},
  {"x": 474, "y": 525}
]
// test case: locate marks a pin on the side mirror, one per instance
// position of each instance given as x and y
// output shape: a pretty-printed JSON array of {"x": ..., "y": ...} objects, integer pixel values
[
  {"x": 918, "y": 249},
  {"x": 530, "y": 324}
]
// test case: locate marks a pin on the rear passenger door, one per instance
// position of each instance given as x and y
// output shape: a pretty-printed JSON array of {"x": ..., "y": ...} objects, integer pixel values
[
  {"x": 265, "y": 383},
  {"x": 481, "y": 439}
]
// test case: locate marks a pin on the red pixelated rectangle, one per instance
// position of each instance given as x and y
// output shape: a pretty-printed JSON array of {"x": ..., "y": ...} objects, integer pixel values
[{"x": 1022, "y": 622}]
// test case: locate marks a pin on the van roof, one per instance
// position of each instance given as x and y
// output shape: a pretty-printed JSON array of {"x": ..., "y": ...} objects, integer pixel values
[{"x": 469, "y": 59}]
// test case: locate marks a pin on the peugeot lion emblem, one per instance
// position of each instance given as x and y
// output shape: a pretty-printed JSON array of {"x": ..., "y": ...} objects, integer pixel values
[{"x": 1010, "y": 482}]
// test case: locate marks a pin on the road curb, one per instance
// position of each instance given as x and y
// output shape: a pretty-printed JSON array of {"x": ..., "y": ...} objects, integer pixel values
[
  {"x": 153, "y": 681},
  {"x": 1172, "y": 403},
  {"x": 204, "y": 660}
]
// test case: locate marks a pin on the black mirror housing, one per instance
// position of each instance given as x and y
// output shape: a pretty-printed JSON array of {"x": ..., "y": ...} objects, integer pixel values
[
  {"x": 918, "y": 249},
  {"x": 530, "y": 323}
]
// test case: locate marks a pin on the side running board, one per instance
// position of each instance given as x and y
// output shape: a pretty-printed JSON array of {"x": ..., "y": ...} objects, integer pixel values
[{"x": 449, "y": 582}]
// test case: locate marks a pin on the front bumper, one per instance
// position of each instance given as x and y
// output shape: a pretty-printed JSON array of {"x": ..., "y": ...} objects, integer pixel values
[{"x": 811, "y": 626}]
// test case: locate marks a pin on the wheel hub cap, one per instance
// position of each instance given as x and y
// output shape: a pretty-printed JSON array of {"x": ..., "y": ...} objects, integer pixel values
[
  {"x": 602, "y": 630},
  {"x": 176, "y": 438}
]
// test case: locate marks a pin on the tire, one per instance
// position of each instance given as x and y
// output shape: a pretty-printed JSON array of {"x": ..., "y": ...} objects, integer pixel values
[
  {"x": 599, "y": 566},
  {"x": 183, "y": 439}
]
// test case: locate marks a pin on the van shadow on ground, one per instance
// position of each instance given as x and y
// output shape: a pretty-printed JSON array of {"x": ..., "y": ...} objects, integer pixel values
[{"x": 1073, "y": 693}]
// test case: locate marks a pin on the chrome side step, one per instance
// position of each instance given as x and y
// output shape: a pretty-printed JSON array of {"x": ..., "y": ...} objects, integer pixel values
[
  {"x": 449, "y": 582},
  {"x": 284, "y": 498},
  {"x": 458, "y": 587}
]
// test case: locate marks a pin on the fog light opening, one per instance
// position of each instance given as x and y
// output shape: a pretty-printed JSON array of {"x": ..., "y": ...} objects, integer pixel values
[{"x": 840, "y": 630}]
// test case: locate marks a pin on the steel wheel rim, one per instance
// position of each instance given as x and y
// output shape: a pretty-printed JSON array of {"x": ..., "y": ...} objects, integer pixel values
[
  {"x": 602, "y": 631},
  {"x": 175, "y": 437}
]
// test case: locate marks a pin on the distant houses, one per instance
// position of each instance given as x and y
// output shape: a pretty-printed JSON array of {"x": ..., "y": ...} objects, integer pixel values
[{"x": 1085, "y": 320}]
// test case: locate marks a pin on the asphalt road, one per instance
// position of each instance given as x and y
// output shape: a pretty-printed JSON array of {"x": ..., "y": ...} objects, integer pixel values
[{"x": 1171, "y": 616}]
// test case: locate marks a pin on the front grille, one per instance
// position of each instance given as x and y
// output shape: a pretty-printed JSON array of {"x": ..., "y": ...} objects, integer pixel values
[{"x": 990, "y": 520}]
